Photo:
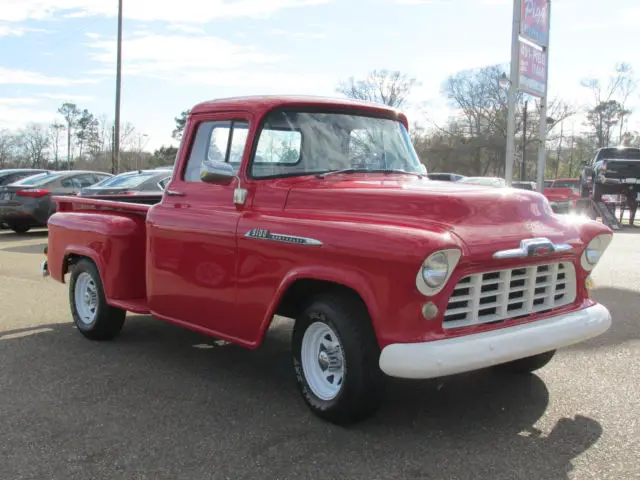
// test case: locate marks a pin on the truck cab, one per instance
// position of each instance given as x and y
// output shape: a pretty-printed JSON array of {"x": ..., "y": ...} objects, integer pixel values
[{"x": 319, "y": 210}]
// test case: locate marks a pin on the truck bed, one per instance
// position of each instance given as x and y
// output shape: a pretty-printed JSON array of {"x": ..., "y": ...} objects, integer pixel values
[{"x": 110, "y": 233}]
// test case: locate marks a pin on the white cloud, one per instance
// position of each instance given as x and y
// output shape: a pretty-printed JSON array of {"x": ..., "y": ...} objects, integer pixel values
[
  {"x": 420, "y": 2},
  {"x": 66, "y": 97},
  {"x": 25, "y": 77},
  {"x": 187, "y": 29},
  {"x": 168, "y": 55},
  {"x": 14, "y": 117},
  {"x": 17, "y": 31},
  {"x": 92, "y": 35},
  {"x": 285, "y": 33},
  {"x": 195, "y": 11},
  {"x": 18, "y": 101}
]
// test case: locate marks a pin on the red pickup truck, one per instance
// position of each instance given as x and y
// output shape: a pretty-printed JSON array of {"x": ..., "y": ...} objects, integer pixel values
[{"x": 319, "y": 210}]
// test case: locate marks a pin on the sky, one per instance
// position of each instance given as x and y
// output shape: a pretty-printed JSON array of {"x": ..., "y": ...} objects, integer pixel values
[{"x": 179, "y": 53}]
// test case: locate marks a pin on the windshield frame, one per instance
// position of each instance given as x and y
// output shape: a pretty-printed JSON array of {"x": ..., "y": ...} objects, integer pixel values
[{"x": 348, "y": 111}]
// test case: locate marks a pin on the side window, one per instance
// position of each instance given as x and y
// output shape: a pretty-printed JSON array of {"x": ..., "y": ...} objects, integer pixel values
[
  {"x": 71, "y": 182},
  {"x": 216, "y": 142},
  {"x": 278, "y": 147}
]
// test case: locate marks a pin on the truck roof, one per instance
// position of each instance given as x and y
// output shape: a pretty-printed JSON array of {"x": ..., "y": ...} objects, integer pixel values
[{"x": 267, "y": 102}]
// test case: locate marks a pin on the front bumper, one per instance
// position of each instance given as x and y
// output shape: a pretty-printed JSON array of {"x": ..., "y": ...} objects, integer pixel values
[{"x": 439, "y": 358}]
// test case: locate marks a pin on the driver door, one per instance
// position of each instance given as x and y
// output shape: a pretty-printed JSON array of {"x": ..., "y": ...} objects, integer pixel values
[{"x": 191, "y": 273}]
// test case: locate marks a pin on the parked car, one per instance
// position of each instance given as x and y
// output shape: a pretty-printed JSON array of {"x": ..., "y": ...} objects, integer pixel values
[
  {"x": 11, "y": 175},
  {"x": 447, "y": 177},
  {"x": 531, "y": 186},
  {"x": 147, "y": 186},
  {"x": 27, "y": 203},
  {"x": 563, "y": 194},
  {"x": 489, "y": 181},
  {"x": 316, "y": 209},
  {"x": 612, "y": 170}
]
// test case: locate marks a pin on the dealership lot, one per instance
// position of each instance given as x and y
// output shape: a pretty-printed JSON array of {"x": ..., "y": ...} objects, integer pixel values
[{"x": 162, "y": 402}]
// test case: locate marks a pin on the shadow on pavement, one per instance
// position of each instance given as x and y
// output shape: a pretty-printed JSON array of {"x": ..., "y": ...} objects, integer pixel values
[
  {"x": 624, "y": 306},
  {"x": 37, "y": 248},
  {"x": 7, "y": 235},
  {"x": 165, "y": 402}
]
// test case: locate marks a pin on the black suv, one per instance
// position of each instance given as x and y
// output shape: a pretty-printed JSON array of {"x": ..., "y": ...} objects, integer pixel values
[{"x": 612, "y": 170}]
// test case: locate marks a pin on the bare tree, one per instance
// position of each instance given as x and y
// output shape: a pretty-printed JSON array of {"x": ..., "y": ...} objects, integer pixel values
[
  {"x": 609, "y": 103},
  {"x": 380, "y": 86},
  {"x": 55, "y": 130},
  {"x": 70, "y": 113},
  {"x": 35, "y": 142},
  {"x": 7, "y": 144}
]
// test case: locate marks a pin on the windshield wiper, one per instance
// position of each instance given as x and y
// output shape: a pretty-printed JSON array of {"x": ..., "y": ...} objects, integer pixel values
[
  {"x": 343, "y": 170},
  {"x": 368, "y": 170}
]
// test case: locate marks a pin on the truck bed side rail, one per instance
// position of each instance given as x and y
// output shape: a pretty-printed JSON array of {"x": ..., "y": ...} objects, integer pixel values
[{"x": 71, "y": 203}]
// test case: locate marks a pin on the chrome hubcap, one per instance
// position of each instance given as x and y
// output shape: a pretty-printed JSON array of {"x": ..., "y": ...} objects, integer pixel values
[
  {"x": 322, "y": 360},
  {"x": 86, "y": 298}
]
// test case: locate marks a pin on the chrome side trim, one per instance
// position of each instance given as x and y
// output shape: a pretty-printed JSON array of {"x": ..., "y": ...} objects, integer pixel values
[
  {"x": 263, "y": 234},
  {"x": 533, "y": 247}
]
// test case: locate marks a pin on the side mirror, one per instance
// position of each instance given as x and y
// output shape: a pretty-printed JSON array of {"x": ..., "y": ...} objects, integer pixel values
[{"x": 216, "y": 172}]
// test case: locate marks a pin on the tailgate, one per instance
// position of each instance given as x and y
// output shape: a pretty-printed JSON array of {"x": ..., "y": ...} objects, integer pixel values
[{"x": 623, "y": 169}]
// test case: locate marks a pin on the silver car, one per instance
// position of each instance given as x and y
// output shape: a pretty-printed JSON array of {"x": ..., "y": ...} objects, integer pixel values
[{"x": 27, "y": 203}]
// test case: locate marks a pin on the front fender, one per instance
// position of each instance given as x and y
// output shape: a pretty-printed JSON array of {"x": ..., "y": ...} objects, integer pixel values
[{"x": 356, "y": 281}]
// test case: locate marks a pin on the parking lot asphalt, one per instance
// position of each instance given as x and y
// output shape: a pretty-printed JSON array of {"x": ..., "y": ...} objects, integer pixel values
[{"x": 161, "y": 402}]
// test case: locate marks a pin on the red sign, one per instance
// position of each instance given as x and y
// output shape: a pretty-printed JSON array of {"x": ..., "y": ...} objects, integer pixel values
[
  {"x": 534, "y": 21},
  {"x": 532, "y": 70}
]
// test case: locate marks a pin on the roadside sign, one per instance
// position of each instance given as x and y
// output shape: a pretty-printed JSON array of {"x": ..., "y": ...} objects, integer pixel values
[
  {"x": 532, "y": 70},
  {"x": 534, "y": 21}
]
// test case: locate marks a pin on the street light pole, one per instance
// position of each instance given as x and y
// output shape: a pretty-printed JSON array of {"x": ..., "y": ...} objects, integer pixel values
[
  {"x": 524, "y": 140},
  {"x": 116, "y": 164},
  {"x": 542, "y": 147},
  {"x": 512, "y": 94}
]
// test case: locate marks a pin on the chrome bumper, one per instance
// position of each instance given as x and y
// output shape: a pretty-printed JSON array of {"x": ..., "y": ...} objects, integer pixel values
[{"x": 439, "y": 358}]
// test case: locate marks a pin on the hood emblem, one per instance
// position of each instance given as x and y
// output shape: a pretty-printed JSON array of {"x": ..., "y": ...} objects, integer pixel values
[
  {"x": 263, "y": 234},
  {"x": 533, "y": 247}
]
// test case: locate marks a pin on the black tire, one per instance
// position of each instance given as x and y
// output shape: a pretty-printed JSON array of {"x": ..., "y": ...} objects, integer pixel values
[
  {"x": 527, "y": 364},
  {"x": 20, "y": 228},
  {"x": 359, "y": 394},
  {"x": 107, "y": 321}
]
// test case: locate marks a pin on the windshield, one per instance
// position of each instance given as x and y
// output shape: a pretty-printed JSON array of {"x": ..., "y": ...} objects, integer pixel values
[
  {"x": 300, "y": 143},
  {"x": 565, "y": 184},
  {"x": 495, "y": 182},
  {"x": 126, "y": 180},
  {"x": 619, "y": 153},
  {"x": 39, "y": 179}
]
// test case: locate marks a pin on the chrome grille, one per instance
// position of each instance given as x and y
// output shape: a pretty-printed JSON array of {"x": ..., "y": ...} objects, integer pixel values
[{"x": 511, "y": 293}]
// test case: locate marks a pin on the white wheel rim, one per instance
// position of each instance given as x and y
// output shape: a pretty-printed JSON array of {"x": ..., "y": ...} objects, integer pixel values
[
  {"x": 322, "y": 360},
  {"x": 86, "y": 298}
]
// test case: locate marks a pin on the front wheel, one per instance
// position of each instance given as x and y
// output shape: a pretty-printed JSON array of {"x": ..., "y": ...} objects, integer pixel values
[
  {"x": 20, "y": 228},
  {"x": 527, "y": 364},
  {"x": 95, "y": 319},
  {"x": 335, "y": 356}
]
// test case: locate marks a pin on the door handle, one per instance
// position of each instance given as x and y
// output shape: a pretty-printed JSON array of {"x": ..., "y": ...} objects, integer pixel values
[{"x": 174, "y": 193}]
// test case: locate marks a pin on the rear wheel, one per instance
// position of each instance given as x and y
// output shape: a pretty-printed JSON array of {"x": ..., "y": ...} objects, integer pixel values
[
  {"x": 335, "y": 356},
  {"x": 527, "y": 364},
  {"x": 20, "y": 227},
  {"x": 92, "y": 315}
]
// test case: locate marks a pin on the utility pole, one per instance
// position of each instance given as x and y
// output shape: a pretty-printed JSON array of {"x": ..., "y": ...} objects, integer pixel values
[
  {"x": 512, "y": 94},
  {"x": 115, "y": 167},
  {"x": 524, "y": 140}
]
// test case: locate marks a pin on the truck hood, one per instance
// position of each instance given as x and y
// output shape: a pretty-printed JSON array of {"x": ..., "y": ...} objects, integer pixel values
[{"x": 484, "y": 218}]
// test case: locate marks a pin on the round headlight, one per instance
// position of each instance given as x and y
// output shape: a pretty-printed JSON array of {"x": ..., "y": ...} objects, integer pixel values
[
  {"x": 435, "y": 270},
  {"x": 592, "y": 254}
]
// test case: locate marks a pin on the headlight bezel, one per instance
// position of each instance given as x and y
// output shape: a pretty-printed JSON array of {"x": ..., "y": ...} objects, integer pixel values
[
  {"x": 452, "y": 256},
  {"x": 595, "y": 249}
]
